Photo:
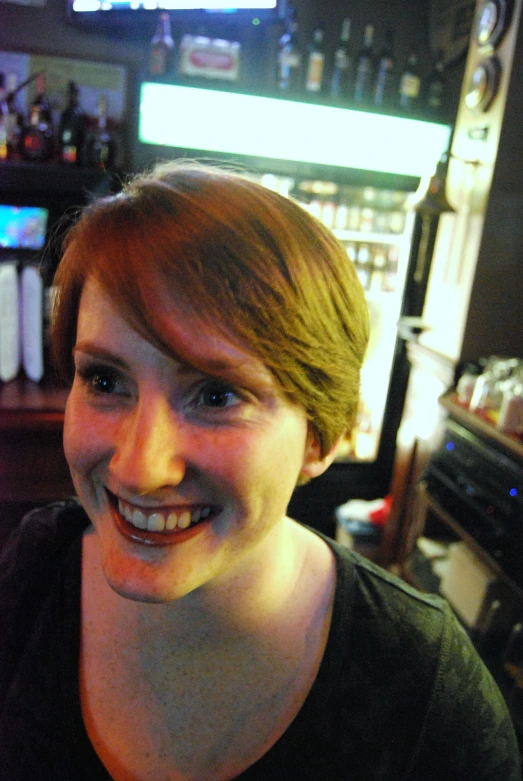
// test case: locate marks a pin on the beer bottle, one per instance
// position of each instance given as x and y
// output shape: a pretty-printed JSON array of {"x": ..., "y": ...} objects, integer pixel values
[
  {"x": 365, "y": 68},
  {"x": 342, "y": 67},
  {"x": 72, "y": 128},
  {"x": 37, "y": 141},
  {"x": 161, "y": 54},
  {"x": 289, "y": 60},
  {"x": 315, "y": 62},
  {"x": 100, "y": 147},
  {"x": 384, "y": 87},
  {"x": 410, "y": 84}
]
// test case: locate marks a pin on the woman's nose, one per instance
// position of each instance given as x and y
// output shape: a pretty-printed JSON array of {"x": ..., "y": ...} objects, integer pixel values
[{"x": 147, "y": 454}]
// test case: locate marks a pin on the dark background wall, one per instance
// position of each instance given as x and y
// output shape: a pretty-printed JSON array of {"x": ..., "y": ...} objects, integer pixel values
[{"x": 47, "y": 31}]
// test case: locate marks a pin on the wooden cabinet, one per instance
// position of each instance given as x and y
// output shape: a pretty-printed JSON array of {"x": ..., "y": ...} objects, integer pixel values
[{"x": 33, "y": 469}]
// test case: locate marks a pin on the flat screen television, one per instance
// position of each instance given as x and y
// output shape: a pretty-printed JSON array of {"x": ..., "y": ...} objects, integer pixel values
[
  {"x": 23, "y": 227},
  {"x": 130, "y": 15}
]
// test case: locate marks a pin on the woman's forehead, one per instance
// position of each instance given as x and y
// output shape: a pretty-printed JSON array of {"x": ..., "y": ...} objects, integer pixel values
[{"x": 176, "y": 329}]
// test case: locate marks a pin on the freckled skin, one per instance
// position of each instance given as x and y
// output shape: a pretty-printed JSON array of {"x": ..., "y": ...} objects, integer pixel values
[{"x": 148, "y": 438}]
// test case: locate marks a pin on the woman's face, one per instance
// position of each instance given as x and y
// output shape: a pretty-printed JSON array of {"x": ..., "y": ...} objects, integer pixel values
[{"x": 184, "y": 472}]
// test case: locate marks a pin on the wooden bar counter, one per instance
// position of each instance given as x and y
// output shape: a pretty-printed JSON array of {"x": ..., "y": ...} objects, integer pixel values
[{"x": 33, "y": 469}]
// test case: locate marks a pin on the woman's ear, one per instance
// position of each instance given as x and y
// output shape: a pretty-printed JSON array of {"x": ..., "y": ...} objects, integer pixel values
[{"x": 314, "y": 463}]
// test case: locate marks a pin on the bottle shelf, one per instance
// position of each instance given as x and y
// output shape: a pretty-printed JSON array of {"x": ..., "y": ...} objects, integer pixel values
[
  {"x": 512, "y": 444},
  {"x": 369, "y": 237},
  {"x": 36, "y": 178}
]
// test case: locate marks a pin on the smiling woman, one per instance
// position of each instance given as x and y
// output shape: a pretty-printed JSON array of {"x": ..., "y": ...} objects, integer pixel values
[{"x": 172, "y": 622}]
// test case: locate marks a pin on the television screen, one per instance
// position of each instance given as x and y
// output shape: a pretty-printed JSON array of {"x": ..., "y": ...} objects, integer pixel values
[
  {"x": 23, "y": 227},
  {"x": 219, "y": 6},
  {"x": 110, "y": 11}
]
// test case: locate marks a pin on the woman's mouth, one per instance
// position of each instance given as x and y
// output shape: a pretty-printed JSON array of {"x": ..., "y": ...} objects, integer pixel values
[{"x": 160, "y": 526}]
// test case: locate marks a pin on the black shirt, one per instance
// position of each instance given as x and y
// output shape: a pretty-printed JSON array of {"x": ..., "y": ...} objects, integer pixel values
[{"x": 401, "y": 694}]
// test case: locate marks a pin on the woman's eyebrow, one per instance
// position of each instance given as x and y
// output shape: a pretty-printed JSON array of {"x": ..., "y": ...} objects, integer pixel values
[
  {"x": 206, "y": 364},
  {"x": 97, "y": 351}
]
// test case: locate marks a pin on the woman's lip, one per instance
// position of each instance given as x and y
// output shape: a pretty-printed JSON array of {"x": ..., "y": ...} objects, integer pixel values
[{"x": 146, "y": 537}]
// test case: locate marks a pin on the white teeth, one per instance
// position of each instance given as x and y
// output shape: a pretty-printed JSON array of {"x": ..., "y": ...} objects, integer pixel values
[
  {"x": 172, "y": 520},
  {"x": 137, "y": 519},
  {"x": 157, "y": 522},
  {"x": 184, "y": 520}
]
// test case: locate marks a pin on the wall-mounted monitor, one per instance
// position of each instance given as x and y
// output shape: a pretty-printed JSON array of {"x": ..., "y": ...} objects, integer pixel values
[{"x": 23, "y": 227}]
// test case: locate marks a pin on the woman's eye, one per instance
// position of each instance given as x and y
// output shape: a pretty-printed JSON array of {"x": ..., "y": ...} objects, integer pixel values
[
  {"x": 218, "y": 396},
  {"x": 99, "y": 381}
]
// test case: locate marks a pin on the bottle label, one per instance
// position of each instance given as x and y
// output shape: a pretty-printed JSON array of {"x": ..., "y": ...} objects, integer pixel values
[
  {"x": 315, "y": 72},
  {"x": 341, "y": 59},
  {"x": 289, "y": 59},
  {"x": 410, "y": 85},
  {"x": 3, "y": 141},
  {"x": 157, "y": 61},
  {"x": 69, "y": 154}
]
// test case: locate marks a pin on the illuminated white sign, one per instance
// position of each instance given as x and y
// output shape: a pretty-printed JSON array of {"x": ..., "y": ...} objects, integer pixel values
[{"x": 226, "y": 122}]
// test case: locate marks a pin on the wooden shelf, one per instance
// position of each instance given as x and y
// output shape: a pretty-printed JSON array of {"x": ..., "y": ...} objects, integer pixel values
[
  {"x": 512, "y": 444},
  {"x": 46, "y": 178},
  {"x": 33, "y": 469},
  {"x": 472, "y": 543}
]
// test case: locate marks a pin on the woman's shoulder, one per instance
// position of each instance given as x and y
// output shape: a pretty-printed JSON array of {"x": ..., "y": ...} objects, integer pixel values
[
  {"x": 408, "y": 669},
  {"x": 30, "y": 568},
  {"x": 379, "y": 598},
  {"x": 42, "y": 532}
]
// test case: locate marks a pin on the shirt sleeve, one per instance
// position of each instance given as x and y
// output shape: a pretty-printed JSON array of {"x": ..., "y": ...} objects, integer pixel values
[{"x": 467, "y": 731}]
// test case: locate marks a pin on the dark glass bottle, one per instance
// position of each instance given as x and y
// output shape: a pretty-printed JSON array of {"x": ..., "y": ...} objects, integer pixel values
[
  {"x": 365, "y": 67},
  {"x": 384, "y": 89},
  {"x": 341, "y": 79},
  {"x": 4, "y": 112},
  {"x": 37, "y": 140},
  {"x": 71, "y": 135},
  {"x": 435, "y": 87},
  {"x": 513, "y": 656},
  {"x": 100, "y": 146},
  {"x": 315, "y": 61},
  {"x": 410, "y": 84},
  {"x": 41, "y": 99},
  {"x": 161, "y": 54},
  {"x": 15, "y": 118},
  {"x": 289, "y": 61}
]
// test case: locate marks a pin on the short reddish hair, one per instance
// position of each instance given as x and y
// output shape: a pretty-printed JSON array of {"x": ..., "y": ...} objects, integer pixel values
[{"x": 240, "y": 257}]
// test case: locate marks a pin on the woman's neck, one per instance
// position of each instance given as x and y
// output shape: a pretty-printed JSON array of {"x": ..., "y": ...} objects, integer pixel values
[{"x": 247, "y": 604}]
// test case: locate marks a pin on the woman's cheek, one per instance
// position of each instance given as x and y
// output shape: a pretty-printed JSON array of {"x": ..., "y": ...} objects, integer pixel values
[{"x": 87, "y": 436}]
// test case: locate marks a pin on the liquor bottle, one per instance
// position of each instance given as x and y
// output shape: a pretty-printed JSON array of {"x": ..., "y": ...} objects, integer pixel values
[
  {"x": 37, "y": 137},
  {"x": 41, "y": 101},
  {"x": 161, "y": 54},
  {"x": 342, "y": 68},
  {"x": 434, "y": 88},
  {"x": 384, "y": 87},
  {"x": 315, "y": 62},
  {"x": 365, "y": 68},
  {"x": 410, "y": 84},
  {"x": 4, "y": 113},
  {"x": 71, "y": 134},
  {"x": 289, "y": 56},
  {"x": 513, "y": 656},
  {"x": 15, "y": 118},
  {"x": 100, "y": 145}
]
